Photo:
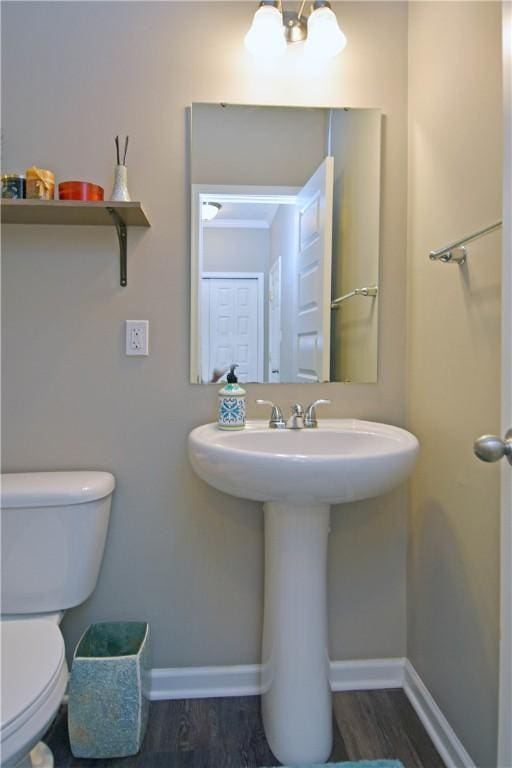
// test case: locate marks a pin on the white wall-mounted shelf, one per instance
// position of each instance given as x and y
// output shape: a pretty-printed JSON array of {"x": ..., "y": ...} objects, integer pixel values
[{"x": 79, "y": 213}]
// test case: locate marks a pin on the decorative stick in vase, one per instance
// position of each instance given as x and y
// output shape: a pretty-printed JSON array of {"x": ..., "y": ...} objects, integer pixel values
[{"x": 120, "y": 189}]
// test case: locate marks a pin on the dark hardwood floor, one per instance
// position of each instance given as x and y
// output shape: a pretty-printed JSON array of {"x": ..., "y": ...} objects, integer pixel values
[{"x": 228, "y": 733}]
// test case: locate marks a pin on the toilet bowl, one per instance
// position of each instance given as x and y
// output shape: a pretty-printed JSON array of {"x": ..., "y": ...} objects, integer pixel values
[
  {"x": 54, "y": 528},
  {"x": 34, "y": 678}
]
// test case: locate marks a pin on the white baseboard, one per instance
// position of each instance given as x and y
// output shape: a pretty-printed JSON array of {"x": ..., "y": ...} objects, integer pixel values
[
  {"x": 204, "y": 682},
  {"x": 367, "y": 674},
  {"x": 208, "y": 682},
  {"x": 359, "y": 675},
  {"x": 437, "y": 726}
]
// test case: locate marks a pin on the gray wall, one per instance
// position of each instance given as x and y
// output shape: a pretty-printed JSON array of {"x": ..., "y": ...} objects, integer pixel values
[
  {"x": 228, "y": 249},
  {"x": 249, "y": 145},
  {"x": 183, "y": 556},
  {"x": 454, "y": 372}
]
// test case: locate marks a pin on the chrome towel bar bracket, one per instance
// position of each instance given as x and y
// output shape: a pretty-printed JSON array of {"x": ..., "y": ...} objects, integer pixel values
[
  {"x": 455, "y": 256},
  {"x": 371, "y": 290},
  {"x": 455, "y": 253}
]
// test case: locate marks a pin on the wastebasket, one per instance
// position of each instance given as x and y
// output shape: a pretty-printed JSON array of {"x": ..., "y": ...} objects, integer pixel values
[{"x": 108, "y": 704}]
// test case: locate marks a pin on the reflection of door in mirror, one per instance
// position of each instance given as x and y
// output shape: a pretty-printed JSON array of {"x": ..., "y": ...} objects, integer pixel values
[
  {"x": 252, "y": 229},
  {"x": 274, "y": 322},
  {"x": 233, "y": 325},
  {"x": 278, "y": 237},
  {"x": 290, "y": 194},
  {"x": 313, "y": 276}
]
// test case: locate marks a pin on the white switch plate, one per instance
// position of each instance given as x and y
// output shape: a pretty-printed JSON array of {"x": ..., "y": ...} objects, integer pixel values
[{"x": 137, "y": 337}]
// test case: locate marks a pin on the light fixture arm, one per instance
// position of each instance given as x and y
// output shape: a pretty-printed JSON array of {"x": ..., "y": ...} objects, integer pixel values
[
  {"x": 295, "y": 22},
  {"x": 300, "y": 13},
  {"x": 301, "y": 9}
]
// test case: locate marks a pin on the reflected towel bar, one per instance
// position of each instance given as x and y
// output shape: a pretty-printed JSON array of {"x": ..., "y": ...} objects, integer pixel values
[
  {"x": 372, "y": 290},
  {"x": 447, "y": 257}
]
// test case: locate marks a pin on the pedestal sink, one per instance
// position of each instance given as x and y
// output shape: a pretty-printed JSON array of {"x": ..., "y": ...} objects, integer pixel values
[{"x": 298, "y": 474}]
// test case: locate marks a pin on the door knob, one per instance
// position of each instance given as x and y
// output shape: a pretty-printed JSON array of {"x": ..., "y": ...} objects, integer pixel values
[{"x": 493, "y": 448}]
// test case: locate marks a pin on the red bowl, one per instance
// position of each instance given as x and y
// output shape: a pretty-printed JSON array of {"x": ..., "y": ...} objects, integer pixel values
[{"x": 80, "y": 190}]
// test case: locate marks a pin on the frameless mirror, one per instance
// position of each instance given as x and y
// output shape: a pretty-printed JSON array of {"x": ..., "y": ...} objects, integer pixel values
[{"x": 285, "y": 243}]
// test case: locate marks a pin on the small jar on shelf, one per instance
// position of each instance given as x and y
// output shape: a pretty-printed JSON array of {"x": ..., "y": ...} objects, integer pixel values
[{"x": 40, "y": 184}]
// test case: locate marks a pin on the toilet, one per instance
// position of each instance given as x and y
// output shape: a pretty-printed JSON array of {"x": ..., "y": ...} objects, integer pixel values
[{"x": 54, "y": 526}]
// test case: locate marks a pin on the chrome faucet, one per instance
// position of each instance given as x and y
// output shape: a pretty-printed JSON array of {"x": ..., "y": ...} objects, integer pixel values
[{"x": 298, "y": 419}]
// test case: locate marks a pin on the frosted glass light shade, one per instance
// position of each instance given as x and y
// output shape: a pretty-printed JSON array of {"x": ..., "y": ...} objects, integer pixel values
[
  {"x": 325, "y": 37},
  {"x": 266, "y": 35}
]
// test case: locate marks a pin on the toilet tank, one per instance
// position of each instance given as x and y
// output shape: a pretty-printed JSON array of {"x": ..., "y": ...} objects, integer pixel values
[{"x": 54, "y": 527}]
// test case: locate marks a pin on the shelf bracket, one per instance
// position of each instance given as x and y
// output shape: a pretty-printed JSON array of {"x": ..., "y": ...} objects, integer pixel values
[{"x": 122, "y": 237}]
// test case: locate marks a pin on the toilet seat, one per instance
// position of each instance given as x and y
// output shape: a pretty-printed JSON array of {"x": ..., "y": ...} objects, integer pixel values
[{"x": 34, "y": 679}]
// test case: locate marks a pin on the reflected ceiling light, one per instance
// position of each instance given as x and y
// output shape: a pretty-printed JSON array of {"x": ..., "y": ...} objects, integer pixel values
[
  {"x": 272, "y": 28},
  {"x": 210, "y": 210}
]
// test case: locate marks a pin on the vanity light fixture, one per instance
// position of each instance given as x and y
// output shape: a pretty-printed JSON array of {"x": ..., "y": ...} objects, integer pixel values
[
  {"x": 210, "y": 210},
  {"x": 272, "y": 28}
]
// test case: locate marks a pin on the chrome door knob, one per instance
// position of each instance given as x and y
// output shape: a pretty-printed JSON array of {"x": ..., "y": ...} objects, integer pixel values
[{"x": 493, "y": 448}]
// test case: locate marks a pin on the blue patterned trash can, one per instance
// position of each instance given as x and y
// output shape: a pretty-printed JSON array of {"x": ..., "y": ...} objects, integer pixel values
[{"x": 108, "y": 704}]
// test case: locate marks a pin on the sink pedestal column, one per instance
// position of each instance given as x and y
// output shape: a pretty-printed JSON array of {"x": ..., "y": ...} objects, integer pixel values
[{"x": 296, "y": 699}]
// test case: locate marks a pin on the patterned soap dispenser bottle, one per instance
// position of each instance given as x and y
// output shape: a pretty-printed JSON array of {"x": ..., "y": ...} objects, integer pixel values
[{"x": 232, "y": 403}]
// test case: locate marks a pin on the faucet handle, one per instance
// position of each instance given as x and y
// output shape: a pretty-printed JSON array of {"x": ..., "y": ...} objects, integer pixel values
[
  {"x": 310, "y": 419},
  {"x": 276, "y": 416},
  {"x": 297, "y": 409}
]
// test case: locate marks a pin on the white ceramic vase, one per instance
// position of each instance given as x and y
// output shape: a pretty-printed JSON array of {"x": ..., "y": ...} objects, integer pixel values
[{"x": 120, "y": 189}]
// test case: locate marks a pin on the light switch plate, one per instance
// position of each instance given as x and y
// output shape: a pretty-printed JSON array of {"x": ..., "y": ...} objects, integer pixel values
[{"x": 137, "y": 337}]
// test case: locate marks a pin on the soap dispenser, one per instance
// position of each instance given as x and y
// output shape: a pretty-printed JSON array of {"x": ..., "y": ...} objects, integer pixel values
[{"x": 232, "y": 403}]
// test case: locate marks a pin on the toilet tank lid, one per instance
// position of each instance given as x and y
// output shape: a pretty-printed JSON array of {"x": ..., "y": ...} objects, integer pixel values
[{"x": 52, "y": 489}]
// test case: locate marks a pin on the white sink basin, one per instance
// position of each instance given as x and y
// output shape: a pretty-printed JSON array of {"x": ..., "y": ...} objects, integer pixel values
[
  {"x": 342, "y": 460},
  {"x": 298, "y": 474}
]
